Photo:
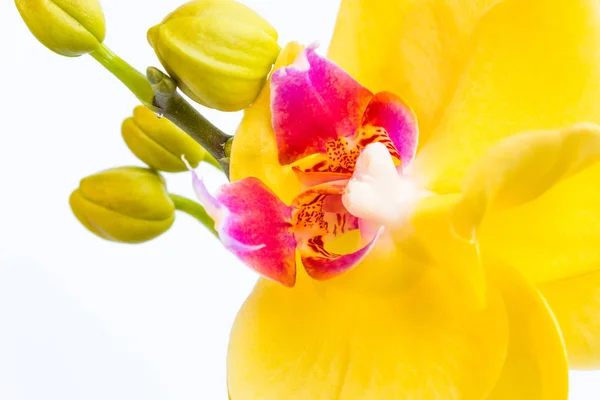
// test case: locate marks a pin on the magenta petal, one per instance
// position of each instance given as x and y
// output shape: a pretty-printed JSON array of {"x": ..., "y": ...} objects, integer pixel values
[
  {"x": 329, "y": 265},
  {"x": 314, "y": 101},
  {"x": 391, "y": 113},
  {"x": 258, "y": 218},
  {"x": 254, "y": 225}
]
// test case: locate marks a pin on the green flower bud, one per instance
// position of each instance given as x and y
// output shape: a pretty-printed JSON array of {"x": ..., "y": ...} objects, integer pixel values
[
  {"x": 67, "y": 27},
  {"x": 160, "y": 143},
  {"x": 219, "y": 52},
  {"x": 127, "y": 204}
]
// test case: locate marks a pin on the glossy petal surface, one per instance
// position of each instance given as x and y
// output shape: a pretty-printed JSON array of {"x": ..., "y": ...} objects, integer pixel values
[
  {"x": 555, "y": 83},
  {"x": 314, "y": 101},
  {"x": 254, "y": 225},
  {"x": 257, "y": 218},
  {"x": 416, "y": 49},
  {"x": 428, "y": 236},
  {"x": 536, "y": 364},
  {"x": 390, "y": 113},
  {"x": 320, "y": 341},
  {"x": 534, "y": 197},
  {"x": 575, "y": 302}
]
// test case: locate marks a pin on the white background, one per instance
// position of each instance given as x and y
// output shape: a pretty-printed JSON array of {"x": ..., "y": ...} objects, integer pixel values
[{"x": 82, "y": 318}]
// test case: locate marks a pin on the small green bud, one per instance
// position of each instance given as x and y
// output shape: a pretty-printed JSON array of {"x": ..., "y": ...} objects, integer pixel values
[
  {"x": 127, "y": 204},
  {"x": 68, "y": 27},
  {"x": 219, "y": 52},
  {"x": 160, "y": 143}
]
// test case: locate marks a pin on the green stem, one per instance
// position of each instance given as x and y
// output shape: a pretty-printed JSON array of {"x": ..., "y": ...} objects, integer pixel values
[
  {"x": 159, "y": 93},
  {"x": 177, "y": 110},
  {"x": 132, "y": 78},
  {"x": 194, "y": 209}
]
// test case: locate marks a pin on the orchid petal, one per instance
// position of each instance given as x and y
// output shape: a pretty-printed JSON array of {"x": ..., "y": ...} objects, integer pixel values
[
  {"x": 428, "y": 236},
  {"x": 210, "y": 203},
  {"x": 254, "y": 225},
  {"x": 389, "y": 113},
  {"x": 536, "y": 363},
  {"x": 326, "y": 342},
  {"x": 413, "y": 48},
  {"x": 319, "y": 216},
  {"x": 258, "y": 217},
  {"x": 322, "y": 265},
  {"x": 536, "y": 181},
  {"x": 319, "y": 212},
  {"x": 314, "y": 101},
  {"x": 555, "y": 83},
  {"x": 575, "y": 301}
]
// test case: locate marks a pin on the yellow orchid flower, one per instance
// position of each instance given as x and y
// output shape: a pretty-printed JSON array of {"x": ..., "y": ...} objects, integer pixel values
[
  {"x": 421, "y": 204},
  {"x": 485, "y": 278}
]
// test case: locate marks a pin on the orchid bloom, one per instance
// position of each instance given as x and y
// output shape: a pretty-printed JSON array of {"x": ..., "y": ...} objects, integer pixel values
[
  {"x": 341, "y": 140},
  {"x": 446, "y": 253}
]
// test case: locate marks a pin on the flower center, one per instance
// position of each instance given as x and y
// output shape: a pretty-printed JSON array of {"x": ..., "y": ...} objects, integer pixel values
[{"x": 378, "y": 192}]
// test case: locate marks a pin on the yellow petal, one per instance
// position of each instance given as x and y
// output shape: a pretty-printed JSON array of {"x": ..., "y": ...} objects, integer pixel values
[
  {"x": 536, "y": 365},
  {"x": 542, "y": 213},
  {"x": 575, "y": 302},
  {"x": 522, "y": 168},
  {"x": 319, "y": 341},
  {"x": 532, "y": 199},
  {"x": 254, "y": 151},
  {"x": 428, "y": 236},
  {"x": 415, "y": 49},
  {"x": 533, "y": 65}
]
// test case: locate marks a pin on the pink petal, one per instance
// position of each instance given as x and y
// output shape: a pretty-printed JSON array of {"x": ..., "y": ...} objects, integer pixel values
[
  {"x": 314, "y": 101},
  {"x": 322, "y": 265},
  {"x": 258, "y": 217},
  {"x": 211, "y": 205},
  {"x": 368, "y": 229},
  {"x": 254, "y": 225},
  {"x": 388, "y": 113}
]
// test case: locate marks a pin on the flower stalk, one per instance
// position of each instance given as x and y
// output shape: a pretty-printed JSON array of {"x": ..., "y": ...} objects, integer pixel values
[
  {"x": 177, "y": 110},
  {"x": 195, "y": 210},
  {"x": 134, "y": 80},
  {"x": 159, "y": 93}
]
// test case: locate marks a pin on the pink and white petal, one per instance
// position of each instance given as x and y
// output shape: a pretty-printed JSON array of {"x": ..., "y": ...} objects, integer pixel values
[
  {"x": 258, "y": 217},
  {"x": 314, "y": 101},
  {"x": 388, "y": 113},
  {"x": 254, "y": 225},
  {"x": 368, "y": 229},
  {"x": 323, "y": 265}
]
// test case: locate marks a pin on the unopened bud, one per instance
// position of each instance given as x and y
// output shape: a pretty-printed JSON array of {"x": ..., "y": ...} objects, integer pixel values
[
  {"x": 160, "y": 143},
  {"x": 69, "y": 28},
  {"x": 219, "y": 52},
  {"x": 127, "y": 204}
]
